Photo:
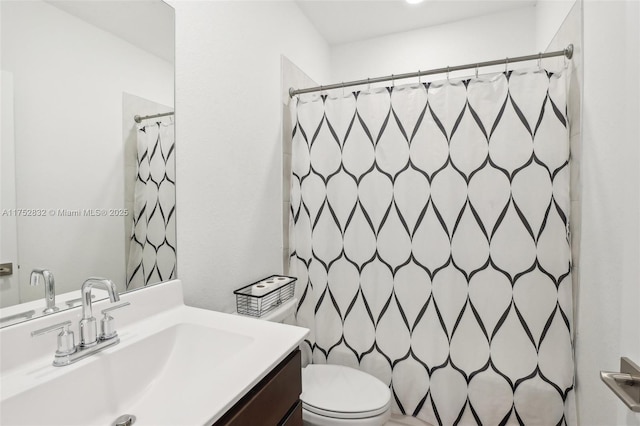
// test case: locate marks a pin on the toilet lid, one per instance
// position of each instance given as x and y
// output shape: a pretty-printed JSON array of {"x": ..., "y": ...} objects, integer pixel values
[{"x": 343, "y": 392}]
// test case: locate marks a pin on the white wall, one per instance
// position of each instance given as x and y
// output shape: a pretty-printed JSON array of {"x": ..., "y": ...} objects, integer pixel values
[
  {"x": 549, "y": 17},
  {"x": 68, "y": 79},
  {"x": 229, "y": 154},
  {"x": 609, "y": 323},
  {"x": 472, "y": 40}
]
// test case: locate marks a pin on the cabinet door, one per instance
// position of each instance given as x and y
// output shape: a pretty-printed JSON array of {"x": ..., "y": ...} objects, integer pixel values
[{"x": 272, "y": 400}]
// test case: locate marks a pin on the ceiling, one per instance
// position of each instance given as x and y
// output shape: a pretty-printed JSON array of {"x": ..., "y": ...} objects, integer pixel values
[
  {"x": 352, "y": 20},
  {"x": 147, "y": 24},
  {"x": 338, "y": 21}
]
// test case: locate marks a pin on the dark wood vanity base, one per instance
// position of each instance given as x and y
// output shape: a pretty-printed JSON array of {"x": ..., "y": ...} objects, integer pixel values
[{"x": 275, "y": 401}]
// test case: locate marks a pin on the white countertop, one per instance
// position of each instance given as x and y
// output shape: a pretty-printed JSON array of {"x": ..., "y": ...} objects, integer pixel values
[{"x": 25, "y": 362}]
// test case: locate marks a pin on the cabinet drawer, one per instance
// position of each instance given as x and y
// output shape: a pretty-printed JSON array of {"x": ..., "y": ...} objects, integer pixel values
[
  {"x": 295, "y": 416},
  {"x": 269, "y": 402}
]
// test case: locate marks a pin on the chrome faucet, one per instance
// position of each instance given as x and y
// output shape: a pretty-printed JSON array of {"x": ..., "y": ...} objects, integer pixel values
[
  {"x": 90, "y": 343},
  {"x": 88, "y": 326},
  {"x": 45, "y": 276}
]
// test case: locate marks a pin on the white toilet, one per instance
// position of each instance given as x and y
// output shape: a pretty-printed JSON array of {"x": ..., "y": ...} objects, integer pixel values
[
  {"x": 339, "y": 395},
  {"x": 335, "y": 395}
]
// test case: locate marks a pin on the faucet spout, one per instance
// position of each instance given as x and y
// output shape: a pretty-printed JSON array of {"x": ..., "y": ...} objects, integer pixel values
[
  {"x": 88, "y": 328},
  {"x": 46, "y": 277},
  {"x": 96, "y": 282}
]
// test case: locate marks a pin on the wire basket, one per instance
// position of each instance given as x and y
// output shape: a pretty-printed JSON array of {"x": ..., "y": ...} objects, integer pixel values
[{"x": 263, "y": 296}]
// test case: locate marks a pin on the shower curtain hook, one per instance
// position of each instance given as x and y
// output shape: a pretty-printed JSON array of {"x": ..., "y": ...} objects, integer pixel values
[
  {"x": 419, "y": 77},
  {"x": 368, "y": 84},
  {"x": 506, "y": 65},
  {"x": 447, "y": 72},
  {"x": 343, "y": 89},
  {"x": 393, "y": 81},
  {"x": 476, "y": 70},
  {"x": 539, "y": 60}
]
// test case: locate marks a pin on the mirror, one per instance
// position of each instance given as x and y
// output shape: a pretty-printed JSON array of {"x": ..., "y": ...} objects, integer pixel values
[{"x": 85, "y": 190}]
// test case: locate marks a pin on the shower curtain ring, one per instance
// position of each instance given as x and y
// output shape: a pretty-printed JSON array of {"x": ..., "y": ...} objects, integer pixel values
[
  {"x": 368, "y": 84},
  {"x": 539, "y": 60},
  {"x": 448, "y": 72},
  {"x": 393, "y": 81},
  {"x": 419, "y": 77},
  {"x": 477, "y": 70},
  {"x": 506, "y": 65},
  {"x": 343, "y": 89}
]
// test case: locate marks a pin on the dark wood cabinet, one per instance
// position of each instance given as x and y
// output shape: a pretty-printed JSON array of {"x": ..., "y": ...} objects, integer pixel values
[
  {"x": 275, "y": 401},
  {"x": 294, "y": 418}
]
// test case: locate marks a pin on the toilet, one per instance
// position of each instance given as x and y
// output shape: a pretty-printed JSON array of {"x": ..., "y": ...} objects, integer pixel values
[
  {"x": 336, "y": 395},
  {"x": 340, "y": 395}
]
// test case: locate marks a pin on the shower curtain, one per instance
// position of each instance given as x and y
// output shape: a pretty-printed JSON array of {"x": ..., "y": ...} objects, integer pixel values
[
  {"x": 152, "y": 253},
  {"x": 429, "y": 232}
]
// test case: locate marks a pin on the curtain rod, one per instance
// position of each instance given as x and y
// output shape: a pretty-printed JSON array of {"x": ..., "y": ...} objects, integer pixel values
[
  {"x": 568, "y": 53},
  {"x": 139, "y": 119}
]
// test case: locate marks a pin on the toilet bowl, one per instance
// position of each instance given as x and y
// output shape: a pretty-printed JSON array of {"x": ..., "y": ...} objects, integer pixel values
[
  {"x": 340, "y": 395},
  {"x": 336, "y": 395}
]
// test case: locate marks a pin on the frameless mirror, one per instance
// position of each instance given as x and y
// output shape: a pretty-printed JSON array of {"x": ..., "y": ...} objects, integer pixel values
[{"x": 85, "y": 190}]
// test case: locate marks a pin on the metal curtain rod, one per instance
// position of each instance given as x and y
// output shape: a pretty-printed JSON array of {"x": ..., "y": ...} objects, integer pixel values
[
  {"x": 568, "y": 52},
  {"x": 139, "y": 119}
]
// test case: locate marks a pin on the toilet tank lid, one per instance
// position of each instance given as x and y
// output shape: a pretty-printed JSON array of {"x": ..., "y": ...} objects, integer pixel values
[
  {"x": 282, "y": 312},
  {"x": 341, "y": 389}
]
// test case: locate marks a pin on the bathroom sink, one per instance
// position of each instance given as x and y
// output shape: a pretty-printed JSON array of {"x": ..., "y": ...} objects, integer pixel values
[
  {"x": 182, "y": 366},
  {"x": 144, "y": 379}
]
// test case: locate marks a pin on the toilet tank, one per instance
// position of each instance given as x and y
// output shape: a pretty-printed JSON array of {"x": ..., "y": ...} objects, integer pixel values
[{"x": 284, "y": 313}]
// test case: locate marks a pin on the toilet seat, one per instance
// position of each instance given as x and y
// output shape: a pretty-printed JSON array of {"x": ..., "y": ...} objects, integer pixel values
[{"x": 343, "y": 392}]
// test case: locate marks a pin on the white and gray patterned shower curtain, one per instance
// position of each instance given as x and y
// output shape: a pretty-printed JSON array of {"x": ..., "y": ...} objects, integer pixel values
[
  {"x": 152, "y": 253},
  {"x": 429, "y": 234}
]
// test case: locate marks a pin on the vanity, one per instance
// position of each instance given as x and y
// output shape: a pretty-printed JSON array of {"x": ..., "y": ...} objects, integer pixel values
[
  {"x": 174, "y": 365},
  {"x": 273, "y": 401}
]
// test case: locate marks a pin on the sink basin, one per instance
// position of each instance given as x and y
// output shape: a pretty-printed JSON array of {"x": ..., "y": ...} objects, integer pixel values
[
  {"x": 185, "y": 366},
  {"x": 144, "y": 379}
]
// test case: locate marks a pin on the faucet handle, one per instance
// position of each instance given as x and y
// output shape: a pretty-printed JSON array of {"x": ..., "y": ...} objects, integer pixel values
[
  {"x": 108, "y": 322},
  {"x": 66, "y": 340},
  {"x": 113, "y": 308}
]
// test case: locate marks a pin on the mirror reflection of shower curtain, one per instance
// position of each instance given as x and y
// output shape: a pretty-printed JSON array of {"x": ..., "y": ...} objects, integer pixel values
[
  {"x": 152, "y": 253},
  {"x": 429, "y": 234}
]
